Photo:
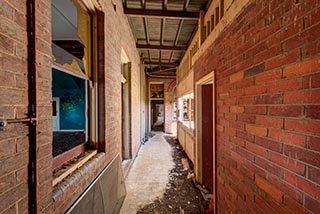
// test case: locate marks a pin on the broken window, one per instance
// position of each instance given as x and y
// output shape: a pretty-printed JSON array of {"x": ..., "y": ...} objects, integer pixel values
[
  {"x": 72, "y": 81},
  {"x": 186, "y": 110},
  {"x": 175, "y": 109}
]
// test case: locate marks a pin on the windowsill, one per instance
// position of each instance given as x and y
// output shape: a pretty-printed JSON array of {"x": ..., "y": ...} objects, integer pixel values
[
  {"x": 187, "y": 124},
  {"x": 69, "y": 167},
  {"x": 67, "y": 191},
  {"x": 66, "y": 156},
  {"x": 186, "y": 129}
]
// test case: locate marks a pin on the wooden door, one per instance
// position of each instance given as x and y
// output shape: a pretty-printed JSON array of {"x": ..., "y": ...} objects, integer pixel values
[{"x": 207, "y": 135}]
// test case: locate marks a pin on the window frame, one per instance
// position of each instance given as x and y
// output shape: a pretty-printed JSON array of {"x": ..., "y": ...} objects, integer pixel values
[
  {"x": 94, "y": 90},
  {"x": 186, "y": 108}
]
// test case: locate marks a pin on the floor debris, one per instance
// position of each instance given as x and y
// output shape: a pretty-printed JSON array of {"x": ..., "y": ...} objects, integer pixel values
[{"x": 181, "y": 196}]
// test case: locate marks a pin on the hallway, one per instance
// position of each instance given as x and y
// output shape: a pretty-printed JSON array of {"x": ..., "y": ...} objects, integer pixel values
[
  {"x": 161, "y": 180},
  {"x": 84, "y": 82},
  {"x": 148, "y": 175}
]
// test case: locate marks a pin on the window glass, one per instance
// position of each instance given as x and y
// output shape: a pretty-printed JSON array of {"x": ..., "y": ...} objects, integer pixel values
[{"x": 71, "y": 75}]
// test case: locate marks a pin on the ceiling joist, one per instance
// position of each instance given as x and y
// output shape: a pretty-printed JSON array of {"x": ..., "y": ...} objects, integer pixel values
[
  {"x": 161, "y": 47},
  {"x": 162, "y": 13},
  {"x": 172, "y": 64},
  {"x": 159, "y": 70},
  {"x": 143, "y": 4}
]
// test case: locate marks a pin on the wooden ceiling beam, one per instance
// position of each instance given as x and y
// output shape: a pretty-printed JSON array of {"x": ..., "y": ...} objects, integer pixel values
[
  {"x": 143, "y": 4},
  {"x": 161, "y": 47},
  {"x": 163, "y": 23},
  {"x": 146, "y": 30},
  {"x": 149, "y": 55},
  {"x": 172, "y": 64},
  {"x": 161, "y": 76},
  {"x": 178, "y": 33},
  {"x": 164, "y": 4},
  {"x": 158, "y": 69},
  {"x": 171, "y": 56},
  {"x": 186, "y": 4},
  {"x": 162, "y": 13}
]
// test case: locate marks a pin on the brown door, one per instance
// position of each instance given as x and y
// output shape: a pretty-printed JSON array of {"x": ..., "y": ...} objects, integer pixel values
[{"x": 207, "y": 135}]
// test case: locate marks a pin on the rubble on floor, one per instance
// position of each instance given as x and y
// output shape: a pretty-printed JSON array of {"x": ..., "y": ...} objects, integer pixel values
[{"x": 183, "y": 195}]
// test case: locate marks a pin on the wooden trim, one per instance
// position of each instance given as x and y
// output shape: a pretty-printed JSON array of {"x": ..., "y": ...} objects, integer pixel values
[
  {"x": 161, "y": 47},
  {"x": 74, "y": 167},
  {"x": 70, "y": 71},
  {"x": 161, "y": 13},
  {"x": 208, "y": 79},
  {"x": 172, "y": 64},
  {"x": 68, "y": 155},
  {"x": 91, "y": 5}
]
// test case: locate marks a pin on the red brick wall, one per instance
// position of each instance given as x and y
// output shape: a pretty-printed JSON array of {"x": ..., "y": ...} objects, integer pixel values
[
  {"x": 14, "y": 141},
  {"x": 267, "y": 65},
  {"x": 44, "y": 98},
  {"x": 117, "y": 38}
]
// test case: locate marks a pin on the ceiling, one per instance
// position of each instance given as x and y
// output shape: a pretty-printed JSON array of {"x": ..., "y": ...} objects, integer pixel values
[
  {"x": 64, "y": 20},
  {"x": 65, "y": 29},
  {"x": 163, "y": 29}
]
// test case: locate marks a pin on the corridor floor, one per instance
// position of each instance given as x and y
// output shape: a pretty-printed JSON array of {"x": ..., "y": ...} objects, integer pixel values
[{"x": 148, "y": 175}]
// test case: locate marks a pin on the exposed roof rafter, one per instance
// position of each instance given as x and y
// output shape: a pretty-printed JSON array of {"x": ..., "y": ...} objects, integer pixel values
[
  {"x": 178, "y": 33},
  {"x": 164, "y": 4},
  {"x": 171, "y": 56},
  {"x": 162, "y": 30},
  {"x": 146, "y": 30},
  {"x": 186, "y": 4},
  {"x": 143, "y": 4},
  {"x": 162, "y": 13},
  {"x": 158, "y": 69},
  {"x": 172, "y": 64},
  {"x": 163, "y": 23},
  {"x": 161, "y": 47}
]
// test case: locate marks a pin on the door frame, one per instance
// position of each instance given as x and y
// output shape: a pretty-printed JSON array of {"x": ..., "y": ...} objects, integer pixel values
[
  {"x": 126, "y": 119},
  {"x": 150, "y": 99},
  {"x": 57, "y": 100},
  {"x": 159, "y": 102},
  {"x": 207, "y": 79}
]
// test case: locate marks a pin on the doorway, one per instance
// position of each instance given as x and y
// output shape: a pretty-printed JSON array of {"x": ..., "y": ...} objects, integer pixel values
[
  {"x": 126, "y": 111},
  {"x": 207, "y": 135},
  {"x": 157, "y": 115}
]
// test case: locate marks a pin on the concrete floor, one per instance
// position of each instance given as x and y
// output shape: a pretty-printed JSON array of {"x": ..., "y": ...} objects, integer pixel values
[{"x": 148, "y": 175}]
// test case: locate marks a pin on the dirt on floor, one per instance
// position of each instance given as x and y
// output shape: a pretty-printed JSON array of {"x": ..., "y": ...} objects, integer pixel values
[{"x": 181, "y": 195}]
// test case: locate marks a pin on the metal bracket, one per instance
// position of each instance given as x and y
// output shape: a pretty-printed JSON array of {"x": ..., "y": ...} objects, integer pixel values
[{"x": 3, "y": 123}]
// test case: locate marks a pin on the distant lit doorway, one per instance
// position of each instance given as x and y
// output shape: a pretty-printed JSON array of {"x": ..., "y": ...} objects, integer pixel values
[{"x": 157, "y": 115}]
